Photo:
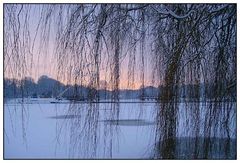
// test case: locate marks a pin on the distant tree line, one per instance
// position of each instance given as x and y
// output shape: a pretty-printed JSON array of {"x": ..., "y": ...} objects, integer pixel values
[{"x": 47, "y": 87}]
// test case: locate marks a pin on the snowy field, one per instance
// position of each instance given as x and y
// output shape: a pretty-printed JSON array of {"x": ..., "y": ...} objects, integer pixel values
[{"x": 39, "y": 129}]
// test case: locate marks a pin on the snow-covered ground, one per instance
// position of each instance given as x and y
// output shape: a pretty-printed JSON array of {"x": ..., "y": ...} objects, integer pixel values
[{"x": 37, "y": 128}]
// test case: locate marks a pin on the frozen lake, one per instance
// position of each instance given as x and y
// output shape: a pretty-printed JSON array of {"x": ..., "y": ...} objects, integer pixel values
[{"x": 39, "y": 129}]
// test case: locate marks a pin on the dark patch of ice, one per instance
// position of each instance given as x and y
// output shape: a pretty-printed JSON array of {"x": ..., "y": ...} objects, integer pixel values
[
  {"x": 65, "y": 117},
  {"x": 129, "y": 122},
  {"x": 199, "y": 148}
]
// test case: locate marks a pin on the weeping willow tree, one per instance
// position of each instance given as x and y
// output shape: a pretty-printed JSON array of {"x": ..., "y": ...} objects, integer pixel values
[{"x": 186, "y": 44}]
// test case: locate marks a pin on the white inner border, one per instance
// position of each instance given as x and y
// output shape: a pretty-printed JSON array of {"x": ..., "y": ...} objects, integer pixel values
[{"x": 112, "y": 1}]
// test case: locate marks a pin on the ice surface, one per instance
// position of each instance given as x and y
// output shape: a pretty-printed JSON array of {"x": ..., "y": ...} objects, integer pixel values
[{"x": 39, "y": 129}]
